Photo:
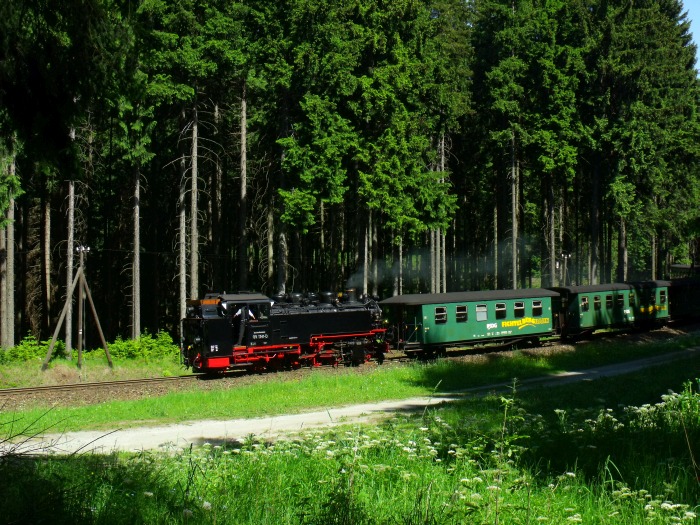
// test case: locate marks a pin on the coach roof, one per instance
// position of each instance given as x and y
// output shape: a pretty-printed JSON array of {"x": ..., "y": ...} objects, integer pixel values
[{"x": 468, "y": 297}]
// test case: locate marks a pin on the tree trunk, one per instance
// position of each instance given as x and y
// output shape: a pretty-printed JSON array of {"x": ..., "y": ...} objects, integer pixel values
[
  {"x": 46, "y": 249},
  {"x": 243, "y": 202},
  {"x": 552, "y": 230},
  {"x": 11, "y": 265},
  {"x": 433, "y": 263},
  {"x": 194, "y": 211},
  {"x": 397, "y": 267},
  {"x": 270, "y": 246},
  {"x": 282, "y": 261},
  {"x": 442, "y": 236},
  {"x": 375, "y": 258},
  {"x": 7, "y": 271},
  {"x": 443, "y": 258},
  {"x": 654, "y": 257},
  {"x": 622, "y": 255},
  {"x": 365, "y": 252},
  {"x": 595, "y": 224},
  {"x": 514, "y": 211},
  {"x": 69, "y": 268},
  {"x": 136, "y": 263},
  {"x": 495, "y": 244},
  {"x": 214, "y": 237},
  {"x": 182, "y": 237},
  {"x": 4, "y": 317}
]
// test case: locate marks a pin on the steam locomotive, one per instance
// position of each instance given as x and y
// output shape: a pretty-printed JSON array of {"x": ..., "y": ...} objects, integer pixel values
[{"x": 252, "y": 331}]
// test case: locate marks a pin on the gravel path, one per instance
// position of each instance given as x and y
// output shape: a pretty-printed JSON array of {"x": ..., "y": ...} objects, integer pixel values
[{"x": 178, "y": 436}]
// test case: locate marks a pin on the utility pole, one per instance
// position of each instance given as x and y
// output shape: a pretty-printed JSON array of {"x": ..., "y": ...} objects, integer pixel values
[
  {"x": 565, "y": 256},
  {"x": 81, "y": 250},
  {"x": 83, "y": 289}
]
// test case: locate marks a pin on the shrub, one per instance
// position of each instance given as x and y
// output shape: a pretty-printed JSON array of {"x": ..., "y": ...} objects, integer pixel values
[
  {"x": 146, "y": 347},
  {"x": 29, "y": 349}
]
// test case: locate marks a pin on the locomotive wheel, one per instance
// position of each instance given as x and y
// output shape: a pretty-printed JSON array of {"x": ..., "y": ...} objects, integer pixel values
[{"x": 358, "y": 356}]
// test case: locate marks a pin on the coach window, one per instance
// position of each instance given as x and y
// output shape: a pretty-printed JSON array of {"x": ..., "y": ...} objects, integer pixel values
[
  {"x": 662, "y": 296},
  {"x": 536, "y": 308},
  {"x": 440, "y": 315},
  {"x": 481, "y": 312},
  {"x": 596, "y": 302},
  {"x": 500, "y": 310},
  {"x": 620, "y": 300},
  {"x": 461, "y": 314},
  {"x": 631, "y": 298},
  {"x": 584, "y": 303},
  {"x": 608, "y": 302},
  {"x": 519, "y": 309}
]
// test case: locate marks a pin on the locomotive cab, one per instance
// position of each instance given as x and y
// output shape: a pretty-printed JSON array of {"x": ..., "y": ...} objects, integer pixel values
[{"x": 216, "y": 325}]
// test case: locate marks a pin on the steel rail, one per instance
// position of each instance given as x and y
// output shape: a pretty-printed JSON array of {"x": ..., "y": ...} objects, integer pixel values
[{"x": 97, "y": 384}]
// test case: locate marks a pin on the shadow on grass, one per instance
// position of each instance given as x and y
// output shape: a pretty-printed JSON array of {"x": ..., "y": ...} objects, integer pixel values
[
  {"x": 506, "y": 366},
  {"x": 82, "y": 489},
  {"x": 628, "y": 429}
]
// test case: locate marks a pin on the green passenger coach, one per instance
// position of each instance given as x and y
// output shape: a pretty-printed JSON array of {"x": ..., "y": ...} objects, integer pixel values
[
  {"x": 585, "y": 309},
  {"x": 438, "y": 321}
]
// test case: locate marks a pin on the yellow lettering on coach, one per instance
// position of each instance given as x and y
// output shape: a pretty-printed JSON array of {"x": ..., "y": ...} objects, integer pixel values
[{"x": 525, "y": 322}]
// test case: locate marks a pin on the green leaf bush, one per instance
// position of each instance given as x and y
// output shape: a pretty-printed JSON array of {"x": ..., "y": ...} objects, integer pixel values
[
  {"x": 29, "y": 349},
  {"x": 147, "y": 347}
]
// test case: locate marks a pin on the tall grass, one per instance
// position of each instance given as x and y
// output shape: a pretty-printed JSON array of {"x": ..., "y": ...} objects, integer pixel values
[{"x": 432, "y": 468}]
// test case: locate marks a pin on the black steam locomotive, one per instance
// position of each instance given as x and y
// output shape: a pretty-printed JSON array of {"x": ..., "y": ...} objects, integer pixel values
[{"x": 249, "y": 330}]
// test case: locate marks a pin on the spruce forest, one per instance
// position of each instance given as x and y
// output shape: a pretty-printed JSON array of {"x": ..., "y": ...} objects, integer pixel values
[{"x": 393, "y": 146}]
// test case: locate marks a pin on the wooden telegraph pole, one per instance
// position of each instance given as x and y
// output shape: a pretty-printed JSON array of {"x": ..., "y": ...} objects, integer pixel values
[{"x": 83, "y": 289}]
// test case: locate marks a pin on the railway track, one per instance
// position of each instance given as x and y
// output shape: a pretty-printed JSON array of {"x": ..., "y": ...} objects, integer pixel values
[{"x": 44, "y": 389}]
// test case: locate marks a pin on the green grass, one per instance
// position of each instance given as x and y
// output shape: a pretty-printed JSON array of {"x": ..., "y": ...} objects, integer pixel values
[{"x": 536, "y": 456}]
